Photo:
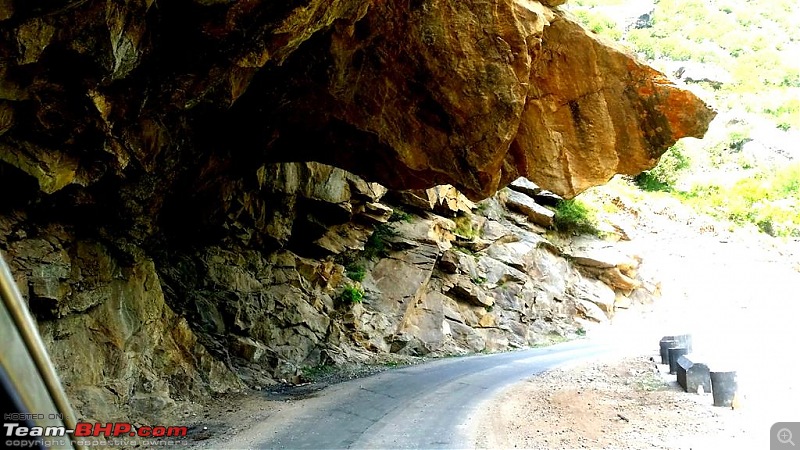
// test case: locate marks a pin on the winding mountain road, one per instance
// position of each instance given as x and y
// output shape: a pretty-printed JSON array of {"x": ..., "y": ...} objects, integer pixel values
[{"x": 423, "y": 406}]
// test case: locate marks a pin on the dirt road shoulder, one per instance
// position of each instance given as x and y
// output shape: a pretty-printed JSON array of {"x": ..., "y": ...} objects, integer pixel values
[{"x": 623, "y": 403}]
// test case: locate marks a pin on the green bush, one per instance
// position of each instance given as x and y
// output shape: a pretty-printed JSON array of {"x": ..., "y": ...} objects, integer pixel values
[
  {"x": 572, "y": 216},
  {"x": 479, "y": 280},
  {"x": 767, "y": 200},
  {"x": 355, "y": 272},
  {"x": 599, "y": 23},
  {"x": 398, "y": 215},
  {"x": 666, "y": 173},
  {"x": 649, "y": 182},
  {"x": 352, "y": 294},
  {"x": 766, "y": 226},
  {"x": 377, "y": 245},
  {"x": 643, "y": 43},
  {"x": 465, "y": 227}
]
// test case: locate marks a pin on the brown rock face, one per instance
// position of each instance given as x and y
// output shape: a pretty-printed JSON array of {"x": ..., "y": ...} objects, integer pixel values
[
  {"x": 162, "y": 159},
  {"x": 593, "y": 111},
  {"x": 166, "y": 97}
]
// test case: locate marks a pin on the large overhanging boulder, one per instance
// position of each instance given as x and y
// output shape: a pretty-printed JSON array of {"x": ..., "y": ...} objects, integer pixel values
[
  {"x": 593, "y": 111},
  {"x": 142, "y": 101}
]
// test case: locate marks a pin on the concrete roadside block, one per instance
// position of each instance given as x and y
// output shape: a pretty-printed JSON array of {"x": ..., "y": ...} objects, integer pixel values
[
  {"x": 724, "y": 387},
  {"x": 692, "y": 375},
  {"x": 674, "y": 354},
  {"x": 664, "y": 344},
  {"x": 678, "y": 340}
]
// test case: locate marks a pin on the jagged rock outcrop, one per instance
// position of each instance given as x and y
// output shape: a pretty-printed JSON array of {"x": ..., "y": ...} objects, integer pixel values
[
  {"x": 444, "y": 199},
  {"x": 156, "y": 98},
  {"x": 143, "y": 333},
  {"x": 169, "y": 232},
  {"x": 580, "y": 127},
  {"x": 120, "y": 349},
  {"x": 525, "y": 204}
]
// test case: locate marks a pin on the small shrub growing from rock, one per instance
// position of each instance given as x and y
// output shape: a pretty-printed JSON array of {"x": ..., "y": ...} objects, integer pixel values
[
  {"x": 355, "y": 272},
  {"x": 664, "y": 176},
  {"x": 479, "y": 280},
  {"x": 377, "y": 245},
  {"x": 398, "y": 215},
  {"x": 465, "y": 250},
  {"x": 352, "y": 294},
  {"x": 465, "y": 227},
  {"x": 572, "y": 216}
]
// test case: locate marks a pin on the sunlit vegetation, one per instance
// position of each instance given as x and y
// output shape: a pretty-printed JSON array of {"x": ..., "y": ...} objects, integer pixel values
[
  {"x": 755, "y": 42},
  {"x": 768, "y": 200},
  {"x": 664, "y": 176},
  {"x": 573, "y": 216},
  {"x": 465, "y": 227},
  {"x": 750, "y": 51}
]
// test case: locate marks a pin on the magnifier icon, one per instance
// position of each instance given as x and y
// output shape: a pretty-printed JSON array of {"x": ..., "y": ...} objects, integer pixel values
[{"x": 785, "y": 436}]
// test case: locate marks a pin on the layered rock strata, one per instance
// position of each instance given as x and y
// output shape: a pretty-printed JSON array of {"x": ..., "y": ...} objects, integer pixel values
[
  {"x": 141, "y": 333},
  {"x": 173, "y": 241}
]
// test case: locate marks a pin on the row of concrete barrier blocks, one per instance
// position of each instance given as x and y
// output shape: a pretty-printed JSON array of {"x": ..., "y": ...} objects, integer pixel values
[{"x": 695, "y": 376}]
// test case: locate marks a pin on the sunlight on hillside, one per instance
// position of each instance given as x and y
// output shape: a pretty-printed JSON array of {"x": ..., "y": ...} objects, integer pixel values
[{"x": 743, "y": 58}]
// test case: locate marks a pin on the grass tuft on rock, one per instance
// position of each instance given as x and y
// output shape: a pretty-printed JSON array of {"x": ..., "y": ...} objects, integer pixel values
[
  {"x": 355, "y": 271},
  {"x": 377, "y": 245},
  {"x": 352, "y": 294},
  {"x": 572, "y": 216},
  {"x": 398, "y": 215},
  {"x": 465, "y": 227}
]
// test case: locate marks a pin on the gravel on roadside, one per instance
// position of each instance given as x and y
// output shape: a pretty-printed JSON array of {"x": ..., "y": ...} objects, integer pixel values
[{"x": 627, "y": 403}]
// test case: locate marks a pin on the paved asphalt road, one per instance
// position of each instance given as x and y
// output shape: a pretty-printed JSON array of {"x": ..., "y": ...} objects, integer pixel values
[{"x": 423, "y": 406}]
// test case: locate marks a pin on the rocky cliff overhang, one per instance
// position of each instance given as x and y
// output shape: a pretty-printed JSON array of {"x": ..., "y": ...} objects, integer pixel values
[{"x": 129, "y": 103}]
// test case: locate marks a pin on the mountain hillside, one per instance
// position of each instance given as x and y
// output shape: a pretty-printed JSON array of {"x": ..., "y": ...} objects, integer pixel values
[{"x": 209, "y": 196}]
